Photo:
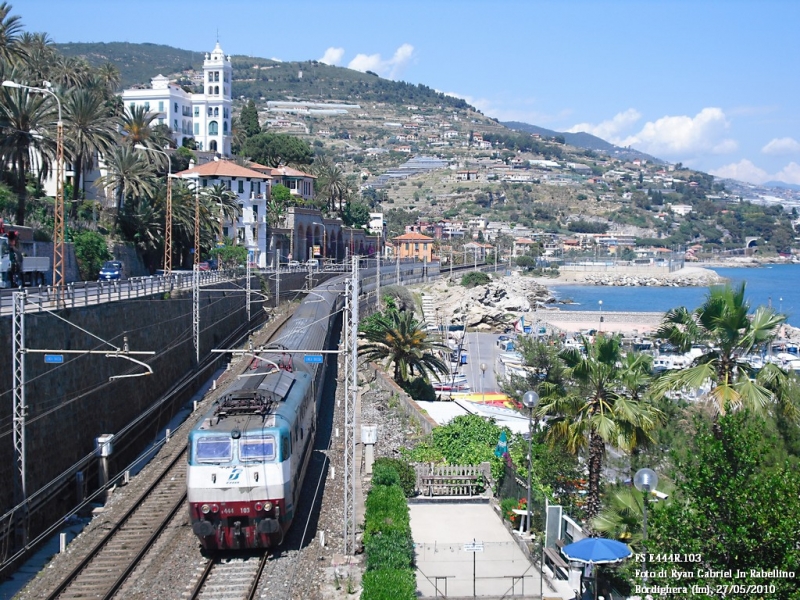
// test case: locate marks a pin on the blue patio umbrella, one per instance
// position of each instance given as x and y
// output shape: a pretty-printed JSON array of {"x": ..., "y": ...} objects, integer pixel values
[{"x": 595, "y": 551}]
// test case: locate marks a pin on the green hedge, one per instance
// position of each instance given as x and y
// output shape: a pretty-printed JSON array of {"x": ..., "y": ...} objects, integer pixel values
[
  {"x": 388, "y": 543},
  {"x": 386, "y": 510},
  {"x": 405, "y": 472},
  {"x": 389, "y": 584},
  {"x": 390, "y": 550}
]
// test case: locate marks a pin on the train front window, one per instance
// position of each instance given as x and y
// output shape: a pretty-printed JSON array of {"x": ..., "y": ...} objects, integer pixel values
[
  {"x": 214, "y": 449},
  {"x": 253, "y": 448}
]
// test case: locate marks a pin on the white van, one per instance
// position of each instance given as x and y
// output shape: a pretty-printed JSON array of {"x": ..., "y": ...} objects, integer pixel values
[{"x": 313, "y": 263}]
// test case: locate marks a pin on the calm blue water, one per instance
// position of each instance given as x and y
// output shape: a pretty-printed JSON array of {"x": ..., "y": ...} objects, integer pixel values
[{"x": 778, "y": 284}]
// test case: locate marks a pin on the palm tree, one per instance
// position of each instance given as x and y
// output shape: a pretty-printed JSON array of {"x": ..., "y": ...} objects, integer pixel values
[
  {"x": 109, "y": 77},
  {"x": 89, "y": 131},
  {"x": 724, "y": 324},
  {"x": 10, "y": 30},
  {"x": 396, "y": 336},
  {"x": 621, "y": 518},
  {"x": 129, "y": 176},
  {"x": 229, "y": 207},
  {"x": 138, "y": 128},
  {"x": 600, "y": 403},
  {"x": 332, "y": 184},
  {"x": 25, "y": 139},
  {"x": 39, "y": 57}
]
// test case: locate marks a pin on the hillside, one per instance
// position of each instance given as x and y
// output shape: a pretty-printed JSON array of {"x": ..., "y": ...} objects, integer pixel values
[{"x": 508, "y": 172}]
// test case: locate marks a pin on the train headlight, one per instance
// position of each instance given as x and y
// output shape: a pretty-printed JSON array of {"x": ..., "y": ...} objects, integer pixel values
[
  {"x": 268, "y": 506},
  {"x": 205, "y": 509}
]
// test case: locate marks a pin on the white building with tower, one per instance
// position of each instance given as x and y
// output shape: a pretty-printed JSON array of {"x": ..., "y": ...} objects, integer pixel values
[{"x": 205, "y": 116}]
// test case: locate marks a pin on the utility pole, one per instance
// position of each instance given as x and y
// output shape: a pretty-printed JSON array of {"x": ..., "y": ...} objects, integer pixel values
[
  {"x": 20, "y": 412},
  {"x": 378, "y": 282},
  {"x": 451, "y": 258},
  {"x": 397, "y": 268},
  {"x": 346, "y": 369},
  {"x": 196, "y": 311},
  {"x": 278, "y": 285},
  {"x": 247, "y": 286},
  {"x": 354, "y": 391}
]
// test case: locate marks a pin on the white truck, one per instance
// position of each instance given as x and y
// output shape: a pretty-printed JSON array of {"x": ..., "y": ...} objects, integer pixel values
[{"x": 33, "y": 271}]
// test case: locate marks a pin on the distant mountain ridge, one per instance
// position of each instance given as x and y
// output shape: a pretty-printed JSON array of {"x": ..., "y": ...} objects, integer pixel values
[
  {"x": 583, "y": 140},
  {"x": 782, "y": 185},
  {"x": 257, "y": 78}
]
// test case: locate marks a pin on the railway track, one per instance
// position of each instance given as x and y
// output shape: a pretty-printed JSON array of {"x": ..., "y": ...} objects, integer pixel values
[
  {"x": 109, "y": 564},
  {"x": 104, "y": 570},
  {"x": 230, "y": 578}
]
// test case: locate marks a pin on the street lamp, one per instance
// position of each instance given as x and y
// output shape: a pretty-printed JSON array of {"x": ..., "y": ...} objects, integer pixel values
[
  {"x": 780, "y": 306},
  {"x": 531, "y": 401},
  {"x": 483, "y": 376},
  {"x": 645, "y": 481},
  {"x": 600, "y": 304},
  {"x": 168, "y": 223},
  {"x": 58, "y": 216}
]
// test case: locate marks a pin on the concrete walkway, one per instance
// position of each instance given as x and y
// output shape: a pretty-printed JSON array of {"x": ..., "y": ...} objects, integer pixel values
[{"x": 446, "y": 537}]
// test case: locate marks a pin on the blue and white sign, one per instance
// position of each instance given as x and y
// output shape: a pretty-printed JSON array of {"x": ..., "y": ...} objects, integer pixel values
[
  {"x": 54, "y": 358},
  {"x": 312, "y": 358}
]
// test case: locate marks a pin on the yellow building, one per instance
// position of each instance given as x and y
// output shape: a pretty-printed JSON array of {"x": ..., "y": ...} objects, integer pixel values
[{"x": 414, "y": 245}]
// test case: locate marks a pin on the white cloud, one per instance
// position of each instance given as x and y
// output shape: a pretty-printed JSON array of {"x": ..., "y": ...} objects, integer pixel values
[
  {"x": 789, "y": 174},
  {"x": 744, "y": 170},
  {"x": 611, "y": 129},
  {"x": 332, "y": 56},
  {"x": 389, "y": 68},
  {"x": 682, "y": 135},
  {"x": 782, "y": 146}
]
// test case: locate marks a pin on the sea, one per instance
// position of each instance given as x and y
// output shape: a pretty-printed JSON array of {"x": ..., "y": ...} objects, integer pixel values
[{"x": 770, "y": 285}]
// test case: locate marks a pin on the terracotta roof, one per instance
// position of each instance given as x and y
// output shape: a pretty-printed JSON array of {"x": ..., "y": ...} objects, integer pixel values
[
  {"x": 413, "y": 237},
  {"x": 523, "y": 241},
  {"x": 223, "y": 168},
  {"x": 290, "y": 172}
]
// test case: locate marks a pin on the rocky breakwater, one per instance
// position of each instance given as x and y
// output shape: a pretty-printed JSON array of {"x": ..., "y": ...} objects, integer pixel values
[
  {"x": 494, "y": 305},
  {"x": 687, "y": 277}
]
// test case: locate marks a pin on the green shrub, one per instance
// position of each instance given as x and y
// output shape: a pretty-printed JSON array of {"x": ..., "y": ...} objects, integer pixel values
[
  {"x": 405, "y": 472},
  {"x": 475, "y": 278},
  {"x": 383, "y": 474},
  {"x": 390, "y": 550},
  {"x": 388, "y": 584},
  {"x": 91, "y": 252}
]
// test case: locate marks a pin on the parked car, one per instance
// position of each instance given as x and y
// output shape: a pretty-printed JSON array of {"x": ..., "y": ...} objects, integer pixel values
[
  {"x": 203, "y": 266},
  {"x": 312, "y": 263},
  {"x": 111, "y": 270},
  {"x": 293, "y": 264}
]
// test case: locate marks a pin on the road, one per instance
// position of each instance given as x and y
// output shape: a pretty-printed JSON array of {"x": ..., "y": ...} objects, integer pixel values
[{"x": 481, "y": 348}]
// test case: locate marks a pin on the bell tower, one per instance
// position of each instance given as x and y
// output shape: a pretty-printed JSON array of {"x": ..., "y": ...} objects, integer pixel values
[{"x": 212, "y": 108}]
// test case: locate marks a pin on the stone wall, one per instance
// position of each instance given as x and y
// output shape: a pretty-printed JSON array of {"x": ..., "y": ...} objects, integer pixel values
[{"x": 409, "y": 407}]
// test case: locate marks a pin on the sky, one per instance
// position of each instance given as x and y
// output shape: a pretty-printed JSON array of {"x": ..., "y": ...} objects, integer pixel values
[{"x": 709, "y": 83}]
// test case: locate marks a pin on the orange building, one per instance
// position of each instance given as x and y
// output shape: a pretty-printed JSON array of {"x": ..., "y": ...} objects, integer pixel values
[{"x": 414, "y": 245}]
